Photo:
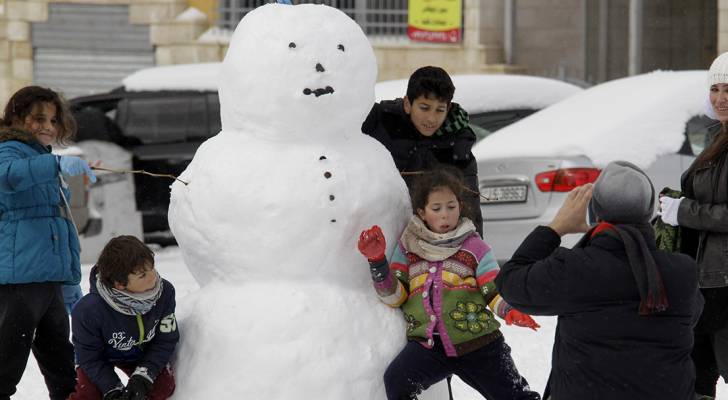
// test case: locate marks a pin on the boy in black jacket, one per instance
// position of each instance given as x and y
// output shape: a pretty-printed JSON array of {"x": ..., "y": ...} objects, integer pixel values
[
  {"x": 126, "y": 321},
  {"x": 426, "y": 128}
]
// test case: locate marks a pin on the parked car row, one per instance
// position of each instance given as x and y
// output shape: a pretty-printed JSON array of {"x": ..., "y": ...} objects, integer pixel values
[
  {"x": 161, "y": 115},
  {"x": 550, "y": 136}
]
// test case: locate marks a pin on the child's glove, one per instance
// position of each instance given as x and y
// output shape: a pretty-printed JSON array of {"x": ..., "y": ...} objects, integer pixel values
[
  {"x": 73, "y": 166},
  {"x": 520, "y": 319},
  {"x": 71, "y": 295},
  {"x": 372, "y": 244},
  {"x": 137, "y": 387}
]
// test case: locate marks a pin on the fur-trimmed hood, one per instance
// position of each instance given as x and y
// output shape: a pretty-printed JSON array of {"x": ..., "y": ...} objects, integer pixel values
[{"x": 9, "y": 133}]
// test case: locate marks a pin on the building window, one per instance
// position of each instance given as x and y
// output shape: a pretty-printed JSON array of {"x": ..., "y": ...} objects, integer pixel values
[{"x": 379, "y": 18}]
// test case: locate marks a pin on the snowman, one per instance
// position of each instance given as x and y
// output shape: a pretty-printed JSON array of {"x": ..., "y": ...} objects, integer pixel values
[{"x": 269, "y": 220}]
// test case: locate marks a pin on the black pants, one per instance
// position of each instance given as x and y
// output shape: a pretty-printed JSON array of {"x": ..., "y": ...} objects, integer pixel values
[
  {"x": 713, "y": 322},
  {"x": 489, "y": 370},
  {"x": 33, "y": 317}
]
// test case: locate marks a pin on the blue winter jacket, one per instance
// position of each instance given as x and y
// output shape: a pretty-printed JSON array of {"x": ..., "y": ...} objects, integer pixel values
[
  {"x": 37, "y": 243},
  {"x": 103, "y": 336}
]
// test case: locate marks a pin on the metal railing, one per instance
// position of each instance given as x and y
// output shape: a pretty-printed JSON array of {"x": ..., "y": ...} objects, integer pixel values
[{"x": 379, "y": 18}]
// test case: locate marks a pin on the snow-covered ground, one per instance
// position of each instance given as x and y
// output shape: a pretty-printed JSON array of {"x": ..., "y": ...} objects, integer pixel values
[{"x": 531, "y": 350}]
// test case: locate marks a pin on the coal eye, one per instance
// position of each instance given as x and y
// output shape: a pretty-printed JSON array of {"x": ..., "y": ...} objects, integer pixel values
[
  {"x": 340, "y": 47},
  {"x": 292, "y": 45}
]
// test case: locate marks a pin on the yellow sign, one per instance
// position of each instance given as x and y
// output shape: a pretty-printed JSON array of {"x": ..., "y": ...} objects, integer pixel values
[{"x": 435, "y": 20}]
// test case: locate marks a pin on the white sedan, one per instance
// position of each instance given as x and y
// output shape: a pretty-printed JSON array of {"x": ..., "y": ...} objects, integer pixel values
[{"x": 656, "y": 121}]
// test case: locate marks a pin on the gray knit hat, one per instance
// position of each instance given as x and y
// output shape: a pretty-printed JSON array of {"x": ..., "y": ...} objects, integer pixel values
[{"x": 623, "y": 194}]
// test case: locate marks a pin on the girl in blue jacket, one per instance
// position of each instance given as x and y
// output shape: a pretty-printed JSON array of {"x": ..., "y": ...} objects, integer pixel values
[{"x": 39, "y": 249}]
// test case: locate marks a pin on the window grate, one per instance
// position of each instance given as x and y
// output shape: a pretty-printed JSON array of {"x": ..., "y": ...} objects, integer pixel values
[{"x": 386, "y": 18}]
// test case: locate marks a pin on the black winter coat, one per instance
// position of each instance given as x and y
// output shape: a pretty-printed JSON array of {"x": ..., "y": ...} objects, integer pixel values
[
  {"x": 103, "y": 337},
  {"x": 704, "y": 210},
  {"x": 603, "y": 349},
  {"x": 451, "y": 144}
]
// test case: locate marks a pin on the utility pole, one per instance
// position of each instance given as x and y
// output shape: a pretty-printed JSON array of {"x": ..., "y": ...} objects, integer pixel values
[
  {"x": 509, "y": 30},
  {"x": 603, "y": 42},
  {"x": 635, "y": 37}
]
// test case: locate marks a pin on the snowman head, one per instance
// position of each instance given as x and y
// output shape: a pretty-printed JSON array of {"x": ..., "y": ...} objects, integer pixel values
[{"x": 303, "y": 72}]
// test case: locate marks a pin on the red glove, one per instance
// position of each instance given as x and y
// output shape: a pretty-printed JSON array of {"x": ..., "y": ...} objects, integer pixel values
[
  {"x": 372, "y": 244},
  {"x": 520, "y": 319}
]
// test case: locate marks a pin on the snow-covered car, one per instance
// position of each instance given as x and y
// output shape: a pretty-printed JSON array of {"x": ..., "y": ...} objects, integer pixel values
[
  {"x": 493, "y": 101},
  {"x": 160, "y": 115},
  {"x": 656, "y": 121}
]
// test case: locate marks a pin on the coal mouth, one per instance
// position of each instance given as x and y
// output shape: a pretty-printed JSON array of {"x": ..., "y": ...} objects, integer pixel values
[{"x": 318, "y": 92}]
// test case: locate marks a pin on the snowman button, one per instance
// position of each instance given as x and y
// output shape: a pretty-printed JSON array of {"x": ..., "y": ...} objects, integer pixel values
[
  {"x": 433, "y": 270},
  {"x": 327, "y": 174}
]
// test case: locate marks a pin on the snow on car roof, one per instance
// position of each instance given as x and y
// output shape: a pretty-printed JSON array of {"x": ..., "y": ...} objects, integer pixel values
[
  {"x": 636, "y": 119},
  {"x": 476, "y": 93},
  {"x": 201, "y": 77},
  {"x": 483, "y": 93}
]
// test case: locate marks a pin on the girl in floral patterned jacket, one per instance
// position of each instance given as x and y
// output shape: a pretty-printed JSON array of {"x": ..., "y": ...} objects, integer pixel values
[{"x": 442, "y": 277}]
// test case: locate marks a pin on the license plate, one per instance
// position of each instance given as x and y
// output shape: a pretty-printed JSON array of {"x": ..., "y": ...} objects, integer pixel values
[{"x": 503, "y": 194}]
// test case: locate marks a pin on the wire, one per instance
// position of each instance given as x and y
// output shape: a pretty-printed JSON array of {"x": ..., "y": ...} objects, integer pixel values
[{"x": 139, "y": 171}]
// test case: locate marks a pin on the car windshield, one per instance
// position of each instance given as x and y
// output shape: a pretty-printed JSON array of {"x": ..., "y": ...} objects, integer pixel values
[
  {"x": 485, "y": 123},
  {"x": 700, "y": 131}
]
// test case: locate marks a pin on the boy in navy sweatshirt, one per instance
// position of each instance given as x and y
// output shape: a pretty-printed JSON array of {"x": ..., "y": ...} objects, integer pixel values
[{"x": 125, "y": 321}]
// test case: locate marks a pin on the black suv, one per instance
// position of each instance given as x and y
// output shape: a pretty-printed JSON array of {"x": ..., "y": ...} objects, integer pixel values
[{"x": 162, "y": 130}]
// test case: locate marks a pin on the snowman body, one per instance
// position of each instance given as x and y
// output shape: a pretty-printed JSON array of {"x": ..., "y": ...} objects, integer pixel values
[{"x": 269, "y": 221}]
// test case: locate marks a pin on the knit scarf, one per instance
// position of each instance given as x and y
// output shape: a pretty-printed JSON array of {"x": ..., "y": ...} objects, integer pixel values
[
  {"x": 431, "y": 246},
  {"x": 456, "y": 120},
  {"x": 130, "y": 303},
  {"x": 653, "y": 296}
]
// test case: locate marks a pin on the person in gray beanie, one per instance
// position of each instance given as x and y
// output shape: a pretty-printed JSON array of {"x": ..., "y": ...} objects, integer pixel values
[
  {"x": 625, "y": 309},
  {"x": 702, "y": 215}
]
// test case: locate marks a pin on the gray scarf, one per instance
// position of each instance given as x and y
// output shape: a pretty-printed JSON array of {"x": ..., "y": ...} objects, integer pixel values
[
  {"x": 130, "y": 303},
  {"x": 431, "y": 246}
]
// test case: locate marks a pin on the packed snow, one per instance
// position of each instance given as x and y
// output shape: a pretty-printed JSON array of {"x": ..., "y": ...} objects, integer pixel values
[
  {"x": 198, "y": 77},
  {"x": 635, "y": 119},
  {"x": 191, "y": 14},
  {"x": 531, "y": 350},
  {"x": 484, "y": 93}
]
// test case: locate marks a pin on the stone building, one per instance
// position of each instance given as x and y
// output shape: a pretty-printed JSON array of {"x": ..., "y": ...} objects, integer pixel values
[{"x": 87, "y": 46}]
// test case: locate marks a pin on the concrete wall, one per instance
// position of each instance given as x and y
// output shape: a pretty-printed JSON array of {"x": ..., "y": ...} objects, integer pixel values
[
  {"x": 555, "y": 38},
  {"x": 175, "y": 41},
  {"x": 480, "y": 51},
  {"x": 549, "y": 37},
  {"x": 722, "y": 26},
  {"x": 679, "y": 34}
]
